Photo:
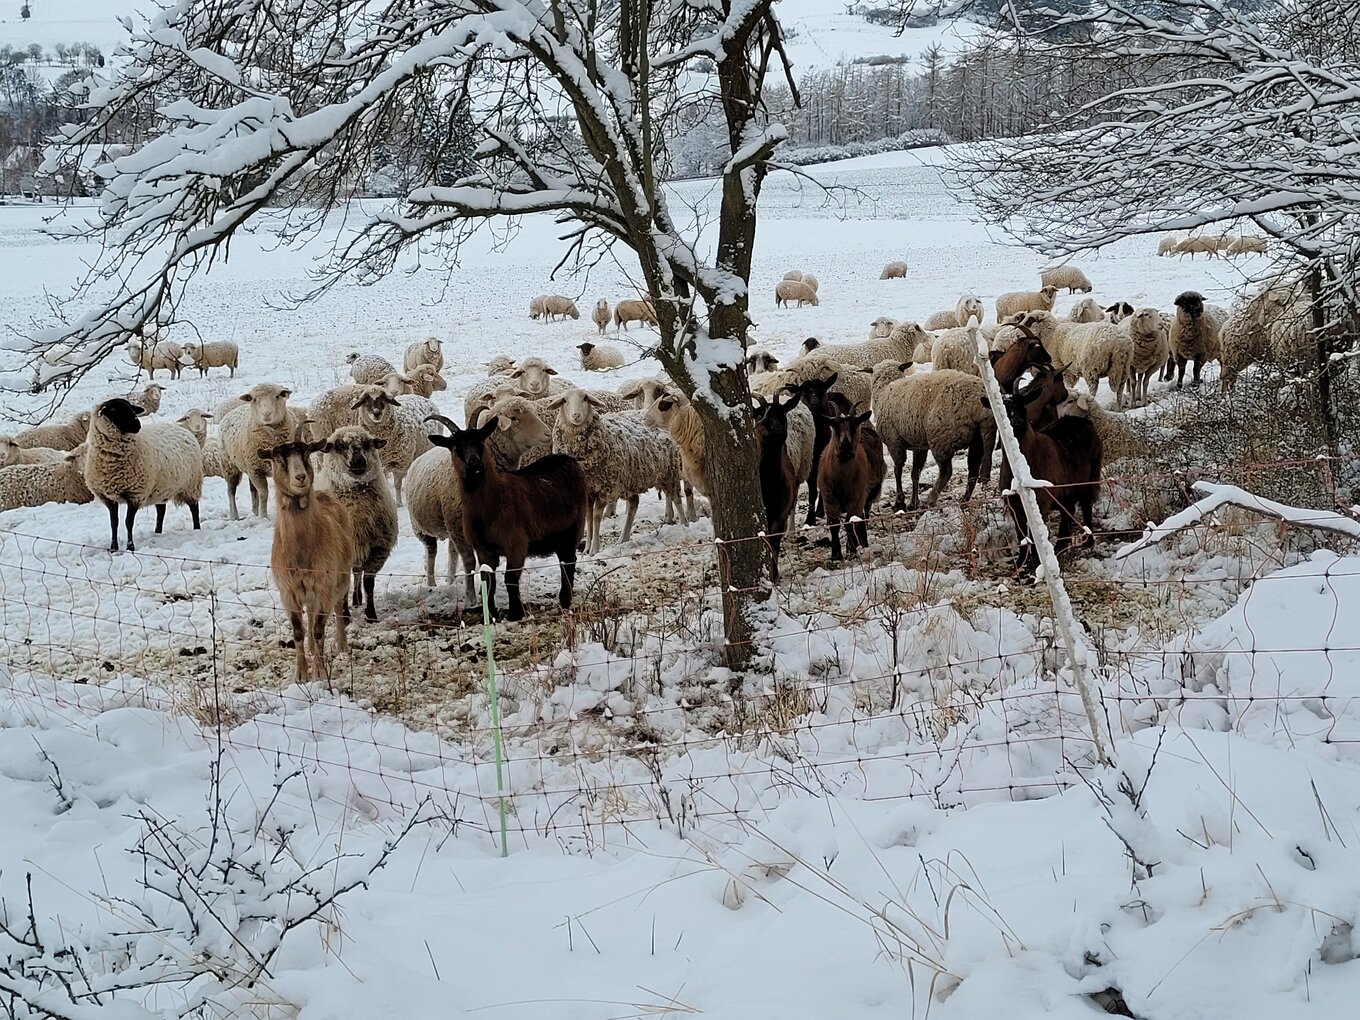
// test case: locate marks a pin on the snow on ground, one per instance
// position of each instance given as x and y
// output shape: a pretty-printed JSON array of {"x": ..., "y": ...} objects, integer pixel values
[
  {"x": 823, "y": 34},
  {"x": 884, "y": 819}
]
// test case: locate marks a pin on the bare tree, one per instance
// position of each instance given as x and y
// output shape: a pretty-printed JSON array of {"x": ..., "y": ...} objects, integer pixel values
[{"x": 267, "y": 102}]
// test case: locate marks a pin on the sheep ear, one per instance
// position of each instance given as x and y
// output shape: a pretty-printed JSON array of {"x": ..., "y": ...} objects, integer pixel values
[
  {"x": 378, "y": 444},
  {"x": 866, "y": 371},
  {"x": 358, "y": 403},
  {"x": 831, "y": 379},
  {"x": 285, "y": 394},
  {"x": 553, "y": 403},
  {"x": 550, "y": 371},
  {"x": 245, "y": 397},
  {"x": 593, "y": 400},
  {"x": 505, "y": 422},
  {"x": 205, "y": 414}
]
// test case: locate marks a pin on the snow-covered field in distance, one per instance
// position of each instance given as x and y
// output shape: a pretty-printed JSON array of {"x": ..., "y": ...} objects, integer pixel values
[{"x": 794, "y": 874}]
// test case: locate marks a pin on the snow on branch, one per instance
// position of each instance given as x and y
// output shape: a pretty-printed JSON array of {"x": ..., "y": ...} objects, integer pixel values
[{"x": 1217, "y": 496}]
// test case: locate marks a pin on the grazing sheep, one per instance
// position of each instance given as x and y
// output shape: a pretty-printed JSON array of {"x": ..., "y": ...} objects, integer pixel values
[
  {"x": 894, "y": 271},
  {"x": 12, "y": 453},
  {"x": 634, "y": 310},
  {"x": 213, "y": 354},
  {"x": 901, "y": 345},
  {"x": 1247, "y": 244},
  {"x": 621, "y": 458},
  {"x": 353, "y": 474},
  {"x": 554, "y": 306},
  {"x": 157, "y": 355},
  {"x": 1017, "y": 301},
  {"x": 1195, "y": 333},
  {"x": 850, "y": 479},
  {"x": 1118, "y": 312},
  {"x": 955, "y": 349},
  {"x": 370, "y": 369},
  {"x": 940, "y": 412},
  {"x": 793, "y": 274},
  {"x": 140, "y": 465},
  {"x": 196, "y": 421},
  {"x": 60, "y": 481},
  {"x": 810, "y": 282},
  {"x": 1193, "y": 246},
  {"x": 148, "y": 398},
  {"x": 881, "y": 328},
  {"x": 66, "y": 436},
  {"x": 599, "y": 357},
  {"x": 501, "y": 364},
  {"x": 1069, "y": 277},
  {"x": 779, "y": 479},
  {"x": 537, "y": 309},
  {"x": 1167, "y": 245},
  {"x": 759, "y": 360},
  {"x": 1118, "y": 438},
  {"x": 539, "y": 510},
  {"x": 1089, "y": 350},
  {"x": 312, "y": 554},
  {"x": 601, "y": 315},
  {"x": 262, "y": 421},
  {"x": 786, "y": 291},
  {"x": 1086, "y": 310},
  {"x": 640, "y": 393},
  {"x": 1150, "y": 334},
  {"x": 423, "y": 352},
  {"x": 969, "y": 307}
]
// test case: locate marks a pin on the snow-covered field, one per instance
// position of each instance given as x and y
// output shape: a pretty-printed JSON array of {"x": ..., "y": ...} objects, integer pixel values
[{"x": 884, "y": 821}]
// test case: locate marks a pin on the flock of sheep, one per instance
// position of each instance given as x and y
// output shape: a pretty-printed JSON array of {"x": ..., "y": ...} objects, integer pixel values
[{"x": 539, "y": 462}]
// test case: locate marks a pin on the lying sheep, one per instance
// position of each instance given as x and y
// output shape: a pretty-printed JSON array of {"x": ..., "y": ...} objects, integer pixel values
[
  {"x": 969, "y": 307},
  {"x": 1017, "y": 301},
  {"x": 1150, "y": 335},
  {"x": 600, "y": 315},
  {"x": 894, "y": 271},
  {"x": 1069, "y": 277},
  {"x": 423, "y": 352},
  {"x": 156, "y": 355},
  {"x": 880, "y": 329},
  {"x": 66, "y": 436},
  {"x": 262, "y": 421},
  {"x": 60, "y": 481},
  {"x": 1195, "y": 333},
  {"x": 1086, "y": 310},
  {"x": 599, "y": 357},
  {"x": 634, "y": 310},
  {"x": 555, "y": 306},
  {"x": 369, "y": 369},
  {"x": 939, "y": 412},
  {"x": 213, "y": 354},
  {"x": 760, "y": 359},
  {"x": 901, "y": 345},
  {"x": 353, "y": 474},
  {"x": 1089, "y": 350},
  {"x": 12, "y": 453},
  {"x": 148, "y": 398},
  {"x": 786, "y": 291},
  {"x": 140, "y": 465},
  {"x": 621, "y": 459}
]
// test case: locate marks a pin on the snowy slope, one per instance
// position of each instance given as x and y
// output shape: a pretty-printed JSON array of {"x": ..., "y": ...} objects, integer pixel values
[{"x": 66, "y": 21}]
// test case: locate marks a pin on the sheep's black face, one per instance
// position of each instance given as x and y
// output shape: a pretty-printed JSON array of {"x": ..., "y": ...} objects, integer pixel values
[
  {"x": 123, "y": 414},
  {"x": 1191, "y": 303}
]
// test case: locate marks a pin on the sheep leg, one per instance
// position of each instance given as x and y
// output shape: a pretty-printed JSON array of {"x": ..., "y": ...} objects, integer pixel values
[
  {"x": 1195, "y": 381},
  {"x": 193, "y": 513},
  {"x": 370, "y": 612},
  {"x": 669, "y": 517},
  {"x": 113, "y": 523},
  {"x": 232, "y": 481},
  {"x": 1180, "y": 371},
  {"x": 673, "y": 497},
  {"x": 1094, "y": 383},
  {"x": 259, "y": 494},
  {"x": 944, "y": 468},
  {"x": 628, "y": 521},
  {"x": 160, "y": 518},
  {"x": 918, "y": 461},
  {"x": 812, "y": 493},
  {"x": 397, "y": 478},
  {"x": 431, "y": 551},
  {"x": 689, "y": 502},
  {"x": 899, "y": 462},
  {"x": 357, "y": 574},
  {"x": 596, "y": 523},
  {"x": 131, "y": 516},
  {"x": 299, "y": 647}
]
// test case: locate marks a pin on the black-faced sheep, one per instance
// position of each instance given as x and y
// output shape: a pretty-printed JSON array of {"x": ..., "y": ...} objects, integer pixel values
[
  {"x": 599, "y": 357},
  {"x": 1195, "y": 333}
]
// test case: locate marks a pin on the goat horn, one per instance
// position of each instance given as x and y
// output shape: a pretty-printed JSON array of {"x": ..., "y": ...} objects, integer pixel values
[
  {"x": 453, "y": 429},
  {"x": 300, "y": 432}
]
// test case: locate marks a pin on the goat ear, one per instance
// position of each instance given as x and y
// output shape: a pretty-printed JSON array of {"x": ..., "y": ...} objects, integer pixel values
[
  {"x": 440, "y": 439},
  {"x": 860, "y": 419},
  {"x": 787, "y": 405}
]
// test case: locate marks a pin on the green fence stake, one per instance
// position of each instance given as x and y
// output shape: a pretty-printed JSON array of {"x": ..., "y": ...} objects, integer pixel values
[{"x": 487, "y": 636}]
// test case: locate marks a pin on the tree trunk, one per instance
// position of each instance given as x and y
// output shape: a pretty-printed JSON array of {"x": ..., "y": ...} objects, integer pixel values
[{"x": 1322, "y": 350}]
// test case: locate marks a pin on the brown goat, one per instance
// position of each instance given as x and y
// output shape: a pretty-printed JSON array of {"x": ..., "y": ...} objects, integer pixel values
[
  {"x": 1010, "y": 364},
  {"x": 824, "y": 405},
  {"x": 313, "y": 553},
  {"x": 778, "y": 481},
  {"x": 539, "y": 510},
  {"x": 1066, "y": 452},
  {"x": 850, "y": 477}
]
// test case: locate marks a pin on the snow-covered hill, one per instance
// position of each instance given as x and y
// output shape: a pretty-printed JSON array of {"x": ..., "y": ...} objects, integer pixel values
[{"x": 65, "y": 21}]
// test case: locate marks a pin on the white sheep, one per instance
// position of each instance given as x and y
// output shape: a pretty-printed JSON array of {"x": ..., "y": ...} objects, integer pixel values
[
  {"x": 1195, "y": 330},
  {"x": 900, "y": 345},
  {"x": 434, "y": 504},
  {"x": 352, "y": 472},
  {"x": 423, "y": 352},
  {"x": 621, "y": 457},
  {"x": 501, "y": 364},
  {"x": 1247, "y": 244},
  {"x": 880, "y": 328},
  {"x": 786, "y": 291},
  {"x": 1250, "y": 327},
  {"x": 955, "y": 349},
  {"x": 213, "y": 354},
  {"x": 521, "y": 436},
  {"x": 969, "y": 306},
  {"x": 630, "y": 310},
  {"x": 939, "y": 412},
  {"x": 1069, "y": 277},
  {"x": 640, "y": 393},
  {"x": 537, "y": 378},
  {"x": 793, "y": 274},
  {"x": 672, "y": 411},
  {"x": 140, "y": 465},
  {"x": 1167, "y": 245},
  {"x": 61, "y": 481},
  {"x": 369, "y": 369},
  {"x": 852, "y": 384},
  {"x": 810, "y": 282},
  {"x": 196, "y": 421},
  {"x": 1086, "y": 310},
  {"x": 1150, "y": 334},
  {"x": 599, "y": 357},
  {"x": 400, "y": 423},
  {"x": 554, "y": 306},
  {"x": 156, "y": 355},
  {"x": 1015, "y": 302},
  {"x": 1089, "y": 350},
  {"x": 600, "y": 315},
  {"x": 423, "y": 381},
  {"x": 65, "y": 436},
  {"x": 12, "y": 453},
  {"x": 262, "y": 421},
  {"x": 894, "y": 271}
]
